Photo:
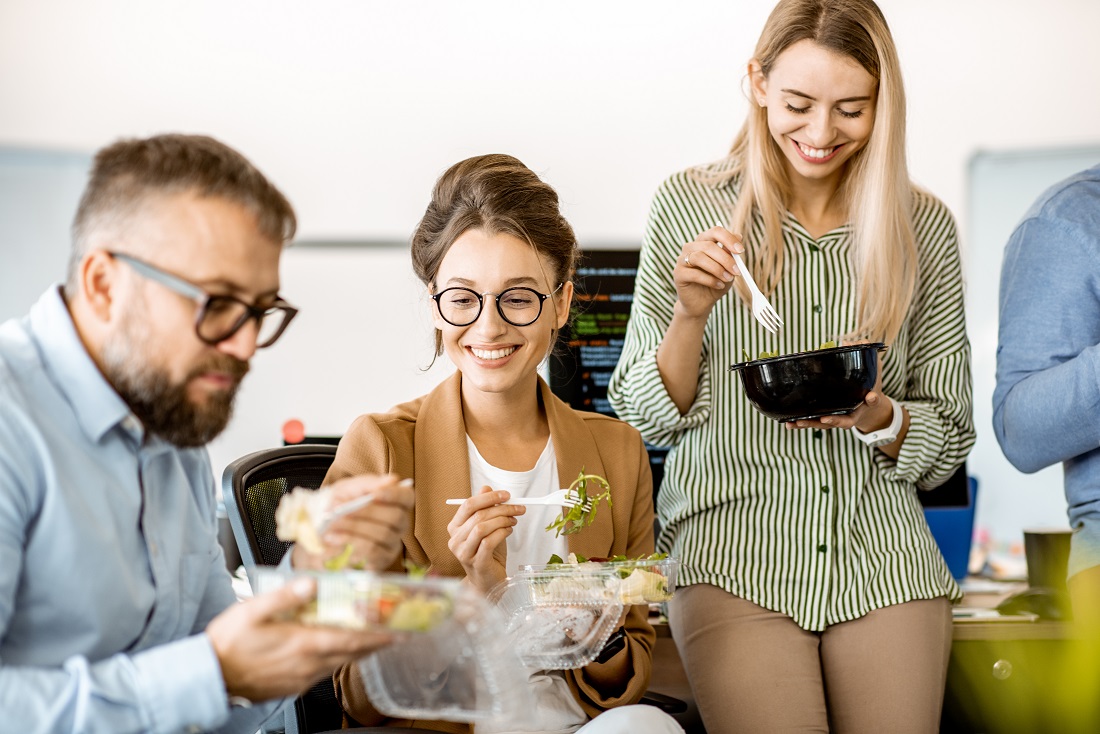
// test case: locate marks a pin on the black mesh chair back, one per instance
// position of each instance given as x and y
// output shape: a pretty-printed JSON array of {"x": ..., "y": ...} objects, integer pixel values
[
  {"x": 254, "y": 484},
  {"x": 252, "y": 487}
]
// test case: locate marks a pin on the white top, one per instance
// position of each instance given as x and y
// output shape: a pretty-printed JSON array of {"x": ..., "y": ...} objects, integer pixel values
[
  {"x": 529, "y": 542},
  {"x": 558, "y": 711}
]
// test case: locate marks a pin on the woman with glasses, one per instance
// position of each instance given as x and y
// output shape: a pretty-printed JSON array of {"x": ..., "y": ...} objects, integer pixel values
[
  {"x": 817, "y": 598},
  {"x": 497, "y": 260}
]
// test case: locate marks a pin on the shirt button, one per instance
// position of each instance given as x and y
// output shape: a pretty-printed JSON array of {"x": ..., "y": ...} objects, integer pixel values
[
  {"x": 822, "y": 548},
  {"x": 825, "y": 488},
  {"x": 818, "y": 433},
  {"x": 817, "y": 308}
]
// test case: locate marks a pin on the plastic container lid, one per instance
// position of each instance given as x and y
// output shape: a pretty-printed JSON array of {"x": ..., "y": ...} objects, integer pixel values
[
  {"x": 559, "y": 621},
  {"x": 465, "y": 669},
  {"x": 450, "y": 659},
  {"x": 638, "y": 581}
]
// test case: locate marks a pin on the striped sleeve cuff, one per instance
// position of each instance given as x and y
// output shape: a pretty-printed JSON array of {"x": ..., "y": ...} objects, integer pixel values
[{"x": 921, "y": 459}]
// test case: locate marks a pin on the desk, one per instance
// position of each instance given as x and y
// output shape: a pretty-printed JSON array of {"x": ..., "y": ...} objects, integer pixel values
[
  {"x": 1018, "y": 675},
  {"x": 1003, "y": 677}
]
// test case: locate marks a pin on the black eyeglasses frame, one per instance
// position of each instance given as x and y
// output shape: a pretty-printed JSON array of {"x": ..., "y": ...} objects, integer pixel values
[
  {"x": 496, "y": 299},
  {"x": 204, "y": 299}
]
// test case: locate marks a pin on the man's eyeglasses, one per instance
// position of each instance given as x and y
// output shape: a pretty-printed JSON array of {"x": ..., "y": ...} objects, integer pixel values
[
  {"x": 220, "y": 317},
  {"x": 517, "y": 306}
]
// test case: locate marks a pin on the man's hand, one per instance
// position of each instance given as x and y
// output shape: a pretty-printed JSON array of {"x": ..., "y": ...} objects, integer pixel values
[
  {"x": 373, "y": 533},
  {"x": 263, "y": 656}
]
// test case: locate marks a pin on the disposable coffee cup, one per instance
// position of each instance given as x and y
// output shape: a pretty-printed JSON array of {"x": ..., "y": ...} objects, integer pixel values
[{"x": 1047, "y": 554}]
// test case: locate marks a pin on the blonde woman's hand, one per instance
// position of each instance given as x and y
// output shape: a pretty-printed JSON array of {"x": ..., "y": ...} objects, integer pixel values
[
  {"x": 705, "y": 269},
  {"x": 874, "y": 413},
  {"x": 478, "y": 531}
]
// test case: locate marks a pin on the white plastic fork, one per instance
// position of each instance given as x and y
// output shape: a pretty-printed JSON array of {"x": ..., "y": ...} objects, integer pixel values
[
  {"x": 561, "y": 497},
  {"x": 761, "y": 308},
  {"x": 341, "y": 510}
]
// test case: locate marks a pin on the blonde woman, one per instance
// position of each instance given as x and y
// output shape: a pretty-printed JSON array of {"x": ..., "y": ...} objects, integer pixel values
[{"x": 816, "y": 597}]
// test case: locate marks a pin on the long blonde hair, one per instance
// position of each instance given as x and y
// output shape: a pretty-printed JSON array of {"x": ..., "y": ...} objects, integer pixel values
[{"x": 876, "y": 190}]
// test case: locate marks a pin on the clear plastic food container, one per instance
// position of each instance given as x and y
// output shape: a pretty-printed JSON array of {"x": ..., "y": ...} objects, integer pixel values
[
  {"x": 368, "y": 601},
  {"x": 639, "y": 581},
  {"x": 559, "y": 621},
  {"x": 465, "y": 669}
]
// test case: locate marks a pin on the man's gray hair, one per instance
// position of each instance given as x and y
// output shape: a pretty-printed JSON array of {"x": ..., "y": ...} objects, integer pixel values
[{"x": 129, "y": 173}]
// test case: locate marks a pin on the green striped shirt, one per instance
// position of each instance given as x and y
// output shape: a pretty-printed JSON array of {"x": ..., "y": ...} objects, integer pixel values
[{"x": 813, "y": 524}]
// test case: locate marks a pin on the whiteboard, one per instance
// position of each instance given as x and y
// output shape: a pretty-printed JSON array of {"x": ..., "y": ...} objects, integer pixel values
[
  {"x": 39, "y": 192},
  {"x": 1001, "y": 185}
]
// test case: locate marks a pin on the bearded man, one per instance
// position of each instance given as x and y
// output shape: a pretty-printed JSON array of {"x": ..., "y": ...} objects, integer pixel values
[{"x": 116, "y": 610}]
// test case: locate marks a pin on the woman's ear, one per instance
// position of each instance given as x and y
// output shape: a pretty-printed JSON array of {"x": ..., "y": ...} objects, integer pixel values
[
  {"x": 433, "y": 311},
  {"x": 758, "y": 83},
  {"x": 562, "y": 304}
]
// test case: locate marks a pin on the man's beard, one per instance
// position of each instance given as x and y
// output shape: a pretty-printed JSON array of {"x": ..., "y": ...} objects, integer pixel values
[{"x": 162, "y": 406}]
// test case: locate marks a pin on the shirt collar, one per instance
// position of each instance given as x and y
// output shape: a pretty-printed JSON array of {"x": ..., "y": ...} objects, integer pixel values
[{"x": 97, "y": 406}]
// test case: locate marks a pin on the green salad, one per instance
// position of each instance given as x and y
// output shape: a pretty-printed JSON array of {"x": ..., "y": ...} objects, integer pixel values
[
  {"x": 768, "y": 355},
  {"x": 586, "y": 488}
]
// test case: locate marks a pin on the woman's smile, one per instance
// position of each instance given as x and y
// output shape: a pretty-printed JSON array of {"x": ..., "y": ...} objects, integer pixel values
[
  {"x": 816, "y": 155},
  {"x": 492, "y": 354}
]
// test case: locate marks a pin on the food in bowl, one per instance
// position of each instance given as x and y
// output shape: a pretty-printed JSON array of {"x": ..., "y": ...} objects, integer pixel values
[{"x": 808, "y": 385}]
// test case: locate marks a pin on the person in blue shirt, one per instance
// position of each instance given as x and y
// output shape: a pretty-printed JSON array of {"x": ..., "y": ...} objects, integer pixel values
[
  {"x": 116, "y": 610},
  {"x": 1045, "y": 405}
]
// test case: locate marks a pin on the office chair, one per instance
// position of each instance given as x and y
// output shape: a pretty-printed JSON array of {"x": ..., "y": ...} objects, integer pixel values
[{"x": 252, "y": 487}]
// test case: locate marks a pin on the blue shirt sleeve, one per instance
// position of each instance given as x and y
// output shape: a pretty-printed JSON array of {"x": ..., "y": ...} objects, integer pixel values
[{"x": 1046, "y": 405}]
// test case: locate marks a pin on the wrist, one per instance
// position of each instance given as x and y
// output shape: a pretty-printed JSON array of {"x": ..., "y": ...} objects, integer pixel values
[
  {"x": 883, "y": 419},
  {"x": 681, "y": 313},
  {"x": 885, "y": 434}
]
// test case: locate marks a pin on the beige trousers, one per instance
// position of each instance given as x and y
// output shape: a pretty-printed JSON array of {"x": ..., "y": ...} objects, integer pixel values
[{"x": 753, "y": 670}]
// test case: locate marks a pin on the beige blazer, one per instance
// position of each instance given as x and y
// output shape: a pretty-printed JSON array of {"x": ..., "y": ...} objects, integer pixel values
[{"x": 426, "y": 440}]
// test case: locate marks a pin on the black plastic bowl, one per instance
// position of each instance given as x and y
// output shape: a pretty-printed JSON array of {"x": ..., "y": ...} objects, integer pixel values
[{"x": 809, "y": 385}]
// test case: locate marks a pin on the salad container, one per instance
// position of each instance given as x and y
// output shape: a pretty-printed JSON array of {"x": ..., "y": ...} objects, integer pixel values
[
  {"x": 637, "y": 581},
  {"x": 363, "y": 600},
  {"x": 464, "y": 669},
  {"x": 558, "y": 621},
  {"x": 448, "y": 660}
]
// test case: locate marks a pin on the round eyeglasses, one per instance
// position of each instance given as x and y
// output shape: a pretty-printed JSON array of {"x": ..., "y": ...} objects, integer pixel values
[
  {"x": 219, "y": 317},
  {"x": 517, "y": 306}
]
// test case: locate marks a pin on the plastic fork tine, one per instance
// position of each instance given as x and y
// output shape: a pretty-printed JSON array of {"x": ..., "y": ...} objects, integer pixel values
[
  {"x": 586, "y": 506},
  {"x": 764, "y": 312}
]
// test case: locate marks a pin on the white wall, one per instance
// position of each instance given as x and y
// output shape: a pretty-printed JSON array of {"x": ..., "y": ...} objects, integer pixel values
[{"x": 354, "y": 107}]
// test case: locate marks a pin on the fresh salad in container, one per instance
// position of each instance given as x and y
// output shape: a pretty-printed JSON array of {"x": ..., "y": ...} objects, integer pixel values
[
  {"x": 368, "y": 601},
  {"x": 645, "y": 580}
]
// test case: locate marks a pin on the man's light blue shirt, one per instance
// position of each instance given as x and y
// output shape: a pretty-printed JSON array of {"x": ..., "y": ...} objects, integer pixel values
[
  {"x": 1046, "y": 406},
  {"x": 109, "y": 563}
]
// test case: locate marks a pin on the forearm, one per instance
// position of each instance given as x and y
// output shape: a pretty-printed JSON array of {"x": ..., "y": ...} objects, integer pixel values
[
  {"x": 1050, "y": 415},
  {"x": 937, "y": 440},
  {"x": 164, "y": 689},
  {"x": 678, "y": 358}
]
